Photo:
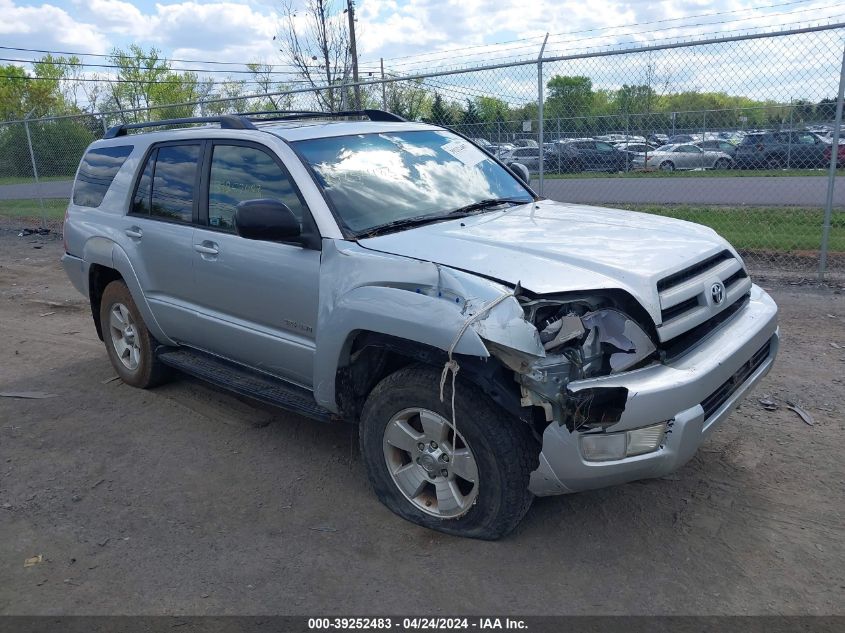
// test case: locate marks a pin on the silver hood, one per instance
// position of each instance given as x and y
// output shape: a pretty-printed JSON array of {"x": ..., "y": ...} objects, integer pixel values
[{"x": 552, "y": 247}]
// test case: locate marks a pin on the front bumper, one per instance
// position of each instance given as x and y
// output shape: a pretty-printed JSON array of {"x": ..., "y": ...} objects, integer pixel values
[{"x": 677, "y": 393}]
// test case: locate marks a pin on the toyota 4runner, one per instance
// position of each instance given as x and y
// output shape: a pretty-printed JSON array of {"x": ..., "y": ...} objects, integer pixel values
[{"x": 491, "y": 345}]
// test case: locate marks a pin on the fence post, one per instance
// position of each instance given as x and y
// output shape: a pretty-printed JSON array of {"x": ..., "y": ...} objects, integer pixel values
[
  {"x": 541, "y": 166},
  {"x": 831, "y": 177},
  {"x": 791, "y": 127},
  {"x": 35, "y": 171}
]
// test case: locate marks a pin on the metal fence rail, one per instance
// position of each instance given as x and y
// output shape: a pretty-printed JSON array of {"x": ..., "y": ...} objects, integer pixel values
[{"x": 751, "y": 122}]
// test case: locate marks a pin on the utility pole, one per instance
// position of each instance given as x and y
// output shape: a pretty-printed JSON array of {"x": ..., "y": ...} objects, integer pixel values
[
  {"x": 350, "y": 11},
  {"x": 383, "y": 86}
]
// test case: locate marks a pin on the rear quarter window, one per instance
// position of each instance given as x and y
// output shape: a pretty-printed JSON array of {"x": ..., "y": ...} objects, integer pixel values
[{"x": 96, "y": 173}]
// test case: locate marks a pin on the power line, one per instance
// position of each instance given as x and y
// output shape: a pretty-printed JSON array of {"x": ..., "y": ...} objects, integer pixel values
[
  {"x": 184, "y": 70},
  {"x": 152, "y": 81},
  {"x": 122, "y": 56}
]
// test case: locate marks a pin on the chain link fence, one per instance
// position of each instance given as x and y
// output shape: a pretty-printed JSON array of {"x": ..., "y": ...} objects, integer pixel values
[{"x": 740, "y": 133}]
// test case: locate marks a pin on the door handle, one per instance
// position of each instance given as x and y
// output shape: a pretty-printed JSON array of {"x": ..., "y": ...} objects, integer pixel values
[
  {"x": 206, "y": 248},
  {"x": 135, "y": 232}
]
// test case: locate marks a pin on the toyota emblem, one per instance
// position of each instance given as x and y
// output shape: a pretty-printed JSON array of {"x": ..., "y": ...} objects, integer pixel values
[{"x": 717, "y": 293}]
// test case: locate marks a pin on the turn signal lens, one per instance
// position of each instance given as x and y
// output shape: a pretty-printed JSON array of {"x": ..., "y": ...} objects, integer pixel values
[{"x": 645, "y": 440}]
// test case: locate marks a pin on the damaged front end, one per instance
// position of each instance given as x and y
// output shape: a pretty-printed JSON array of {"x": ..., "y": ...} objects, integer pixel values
[
  {"x": 614, "y": 409},
  {"x": 579, "y": 338}
]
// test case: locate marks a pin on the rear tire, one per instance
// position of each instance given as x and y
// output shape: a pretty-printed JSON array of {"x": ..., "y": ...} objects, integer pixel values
[
  {"x": 473, "y": 483},
  {"x": 130, "y": 346},
  {"x": 722, "y": 164},
  {"x": 667, "y": 165}
]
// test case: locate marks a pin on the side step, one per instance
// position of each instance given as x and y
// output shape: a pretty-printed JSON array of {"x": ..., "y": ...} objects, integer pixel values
[{"x": 244, "y": 381}]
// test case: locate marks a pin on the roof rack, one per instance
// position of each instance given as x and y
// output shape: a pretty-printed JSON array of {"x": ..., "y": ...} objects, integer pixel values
[
  {"x": 243, "y": 120},
  {"x": 293, "y": 115},
  {"x": 226, "y": 121}
]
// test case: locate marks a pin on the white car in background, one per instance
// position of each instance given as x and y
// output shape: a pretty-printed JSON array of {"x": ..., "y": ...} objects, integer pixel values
[{"x": 682, "y": 156}]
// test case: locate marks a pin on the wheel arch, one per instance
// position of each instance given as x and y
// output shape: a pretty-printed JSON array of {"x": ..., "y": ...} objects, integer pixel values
[
  {"x": 108, "y": 262},
  {"x": 373, "y": 356}
]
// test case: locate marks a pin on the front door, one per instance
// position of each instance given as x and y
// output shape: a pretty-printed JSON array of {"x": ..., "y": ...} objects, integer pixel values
[{"x": 256, "y": 301}]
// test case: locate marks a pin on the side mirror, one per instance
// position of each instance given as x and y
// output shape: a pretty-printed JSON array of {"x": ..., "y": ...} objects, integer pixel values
[
  {"x": 521, "y": 171},
  {"x": 266, "y": 219}
]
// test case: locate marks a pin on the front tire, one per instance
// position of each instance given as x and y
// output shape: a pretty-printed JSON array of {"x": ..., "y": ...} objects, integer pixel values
[
  {"x": 130, "y": 346},
  {"x": 667, "y": 166},
  {"x": 472, "y": 482}
]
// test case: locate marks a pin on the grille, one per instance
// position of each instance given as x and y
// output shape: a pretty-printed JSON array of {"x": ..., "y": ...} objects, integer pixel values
[
  {"x": 716, "y": 399},
  {"x": 685, "y": 299}
]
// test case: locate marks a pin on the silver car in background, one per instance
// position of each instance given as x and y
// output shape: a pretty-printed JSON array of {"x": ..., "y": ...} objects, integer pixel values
[{"x": 682, "y": 156}]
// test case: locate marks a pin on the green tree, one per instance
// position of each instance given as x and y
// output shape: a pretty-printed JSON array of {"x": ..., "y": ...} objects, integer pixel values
[
  {"x": 471, "y": 116},
  {"x": 441, "y": 113}
]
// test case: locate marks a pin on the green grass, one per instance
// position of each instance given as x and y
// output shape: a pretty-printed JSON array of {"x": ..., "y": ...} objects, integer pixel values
[
  {"x": 29, "y": 180},
  {"x": 707, "y": 173},
  {"x": 782, "y": 229},
  {"x": 53, "y": 208}
]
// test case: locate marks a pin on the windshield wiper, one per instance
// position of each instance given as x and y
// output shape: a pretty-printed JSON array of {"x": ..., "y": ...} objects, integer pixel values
[
  {"x": 486, "y": 204},
  {"x": 404, "y": 223},
  {"x": 407, "y": 223}
]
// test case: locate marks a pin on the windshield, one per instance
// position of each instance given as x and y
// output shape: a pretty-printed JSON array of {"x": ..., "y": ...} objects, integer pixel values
[{"x": 376, "y": 179}]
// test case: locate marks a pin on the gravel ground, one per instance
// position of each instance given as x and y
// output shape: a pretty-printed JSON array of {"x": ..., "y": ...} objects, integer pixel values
[{"x": 185, "y": 500}]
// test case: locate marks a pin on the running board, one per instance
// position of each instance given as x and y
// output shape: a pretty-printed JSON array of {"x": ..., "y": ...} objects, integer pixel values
[{"x": 244, "y": 381}]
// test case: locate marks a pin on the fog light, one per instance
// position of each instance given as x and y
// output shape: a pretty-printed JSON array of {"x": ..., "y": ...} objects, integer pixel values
[
  {"x": 602, "y": 447},
  {"x": 645, "y": 440}
]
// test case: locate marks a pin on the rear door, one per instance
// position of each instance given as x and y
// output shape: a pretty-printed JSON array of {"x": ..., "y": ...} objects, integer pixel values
[
  {"x": 158, "y": 231},
  {"x": 256, "y": 301}
]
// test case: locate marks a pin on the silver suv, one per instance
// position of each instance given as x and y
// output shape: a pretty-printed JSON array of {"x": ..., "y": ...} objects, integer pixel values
[{"x": 491, "y": 345}]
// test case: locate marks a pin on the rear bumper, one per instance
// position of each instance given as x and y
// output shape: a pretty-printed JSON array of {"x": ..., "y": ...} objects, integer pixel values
[
  {"x": 717, "y": 374},
  {"x": 77, "y": 272}
]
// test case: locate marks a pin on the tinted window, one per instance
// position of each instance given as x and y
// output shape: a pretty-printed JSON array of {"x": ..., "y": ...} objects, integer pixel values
[
  {"x": 375, "y": 179},
  {"x": 603, "y": 147},
  {"x": 141, "y": 201},
  {"x": 96, "y": 173},
  {"x": 173, "y": 182},
  {"x": 245, "y": 173}
]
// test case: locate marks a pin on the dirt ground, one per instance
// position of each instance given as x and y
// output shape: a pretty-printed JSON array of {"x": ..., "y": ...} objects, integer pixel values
[{"x": 185, "y": 500}]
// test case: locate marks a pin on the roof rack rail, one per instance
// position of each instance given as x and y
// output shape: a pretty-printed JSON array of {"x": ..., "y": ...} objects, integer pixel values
[
  {"x": 293, "y": 115},
  {"x": 226, "y": 121}
]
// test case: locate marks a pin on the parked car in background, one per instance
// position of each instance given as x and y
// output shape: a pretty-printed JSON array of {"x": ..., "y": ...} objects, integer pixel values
[
  {"x": 715, "y": 145},
  {"x": 633, "y": 150},
  {"x": 840, "y": 155},
  {"x": 503, "y": 148},
  {"x": 682, "y": 138},
  {"x": 619, "y": 137},
  {"x": 776, "y": 150},
  {"x": 486, "y": 145},
  {"x": 657, "y": 139},
  {"x": 682, "y": 156},
  {"x": 586, "y": 154},
  {"x": 525, "y": 142},
  {"x": 528, "y": 156}
]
